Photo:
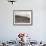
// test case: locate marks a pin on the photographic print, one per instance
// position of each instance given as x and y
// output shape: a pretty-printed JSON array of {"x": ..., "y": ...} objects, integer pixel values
[{"x": 22, "y": 16}]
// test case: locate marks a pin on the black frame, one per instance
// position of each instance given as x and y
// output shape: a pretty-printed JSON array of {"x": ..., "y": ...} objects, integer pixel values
[{"x": 23, "y": 24}]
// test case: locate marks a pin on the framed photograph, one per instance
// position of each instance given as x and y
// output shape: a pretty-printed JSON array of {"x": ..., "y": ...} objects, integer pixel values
[{"x": 22, "y": 17}]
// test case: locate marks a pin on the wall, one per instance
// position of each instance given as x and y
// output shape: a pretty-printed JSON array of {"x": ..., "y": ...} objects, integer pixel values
[{"x": 38, "y": 29}]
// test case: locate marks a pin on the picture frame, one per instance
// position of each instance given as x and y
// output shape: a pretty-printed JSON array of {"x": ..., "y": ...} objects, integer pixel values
[{"x": 22, "y": 17}]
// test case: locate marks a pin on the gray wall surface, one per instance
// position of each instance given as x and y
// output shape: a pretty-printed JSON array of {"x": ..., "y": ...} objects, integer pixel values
[{"x": 38, "y": 29}]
